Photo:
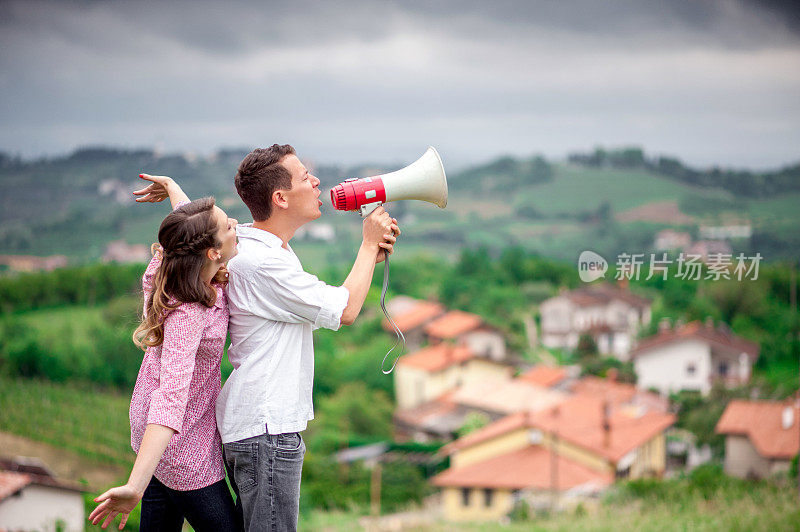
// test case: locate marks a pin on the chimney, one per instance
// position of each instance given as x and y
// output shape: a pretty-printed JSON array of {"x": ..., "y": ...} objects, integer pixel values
[
  {"x": 606, "y": 424},
  {"x": 787, "y": 417},
  {"x": 622, "y": 284},
  {"x": 664, "y": 324},
  {"x": 449, "y": 354},
  {"x": 709, "y": 323},
  {"x": 612, "y": 374},
  {"x": 528, "y": 420}
]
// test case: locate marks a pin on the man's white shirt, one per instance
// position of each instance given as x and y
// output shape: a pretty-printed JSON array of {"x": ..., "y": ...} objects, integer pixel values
[{"x": 274, "y": 307}]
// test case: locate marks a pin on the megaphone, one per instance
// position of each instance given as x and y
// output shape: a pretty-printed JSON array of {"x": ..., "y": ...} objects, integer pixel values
[{"x": 424, "y": 180}]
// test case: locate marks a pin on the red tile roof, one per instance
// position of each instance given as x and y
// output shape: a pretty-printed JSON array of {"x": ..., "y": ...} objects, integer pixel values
[
  {"x": 417, "y": 315},
  {"x": 418, "y": 415},
  {"x": 579, "y": 420},
  {"x": 437, "y": 357},
  {"x": 11, "y": 483},
  {"x": 614, "y": 391},
  {"x": 720, "y": 336},
  {"x": 762, "y": 423},
  {"x": 525, "y": 468},
  {"x": 453, "y": 324},
  {"x": 543, "y": 375},
  {"x": 604, "y": 293},
  {"x": 34, "y": 471},
  {"x": 505, "y": 395},
  {"x": 492, "y": 430}
]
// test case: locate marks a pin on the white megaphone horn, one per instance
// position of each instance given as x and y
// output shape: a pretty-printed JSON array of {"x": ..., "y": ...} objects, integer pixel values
[{"x": 424, "y": 180}]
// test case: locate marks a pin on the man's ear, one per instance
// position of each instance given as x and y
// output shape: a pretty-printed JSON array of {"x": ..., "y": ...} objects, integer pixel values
[{"x": 280, "y": 200}]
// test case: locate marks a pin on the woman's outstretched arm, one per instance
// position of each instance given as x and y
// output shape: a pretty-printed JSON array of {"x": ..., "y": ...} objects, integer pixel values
[
  {"x": 161, "y": 187},
  {"x": 123, "y": 499}
]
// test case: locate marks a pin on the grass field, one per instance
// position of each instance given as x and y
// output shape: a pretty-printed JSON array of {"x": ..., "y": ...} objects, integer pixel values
[
  {"x": 89, "y": 421},
  {"x": 714, "y": 503},
  {"x": 93, "y": 423},
  {"x": 575, "y": 189}
]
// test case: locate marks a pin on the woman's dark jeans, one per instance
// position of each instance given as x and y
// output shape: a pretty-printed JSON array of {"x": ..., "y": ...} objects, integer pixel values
[{"x": 207, "y": 509}]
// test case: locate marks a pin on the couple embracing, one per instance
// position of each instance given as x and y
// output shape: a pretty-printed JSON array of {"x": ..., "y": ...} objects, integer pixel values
[{"x": 200, "y": 285}]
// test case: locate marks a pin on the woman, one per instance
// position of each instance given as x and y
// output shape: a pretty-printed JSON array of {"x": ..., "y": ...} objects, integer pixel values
[{"x": 178, "y": 472}]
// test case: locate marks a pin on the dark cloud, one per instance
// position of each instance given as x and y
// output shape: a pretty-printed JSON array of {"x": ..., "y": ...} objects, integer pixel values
[
  {"x": 785, "y": 11},
  {"x": 711, "y": 80}
]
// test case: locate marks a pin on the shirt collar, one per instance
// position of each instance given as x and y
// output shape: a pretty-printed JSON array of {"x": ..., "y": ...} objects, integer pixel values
[{"x": 248, "y": 232}]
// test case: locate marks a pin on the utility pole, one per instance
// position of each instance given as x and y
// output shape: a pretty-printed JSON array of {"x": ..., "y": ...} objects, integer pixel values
[
  {"x": 375, "y": 490},
  {"x": 554, "y": 462},
  {"x": 795, "y": 341},
  {"x": 554, "y": 472}
]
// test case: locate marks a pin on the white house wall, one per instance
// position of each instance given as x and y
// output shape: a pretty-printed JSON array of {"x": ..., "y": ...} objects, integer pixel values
[
  {"x": 409, "y": 385},
  {"x": 742, "y": 460},
  {"x": 563, "y": 322},
  {"x": 42, "y": 508},
  {"x": 622, "y": 346},
  {"x": 487, "y": 344},
  {"x": 556, "y": 316},
  {"x": 665, "y": 367}
]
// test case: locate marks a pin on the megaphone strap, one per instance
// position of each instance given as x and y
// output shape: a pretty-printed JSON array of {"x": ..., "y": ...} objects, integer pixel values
[{"x": 398, "y": 332}]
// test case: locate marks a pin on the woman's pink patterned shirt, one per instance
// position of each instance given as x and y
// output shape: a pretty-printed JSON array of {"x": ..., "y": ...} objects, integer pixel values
[{"x": 177, "y": 387}]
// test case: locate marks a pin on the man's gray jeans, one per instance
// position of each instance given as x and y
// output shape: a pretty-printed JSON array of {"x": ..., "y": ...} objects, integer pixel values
[{"x": 265, "y": 474}]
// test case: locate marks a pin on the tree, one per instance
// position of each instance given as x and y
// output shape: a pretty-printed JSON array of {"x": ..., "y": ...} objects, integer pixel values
[{"x": 353, "y": 411}]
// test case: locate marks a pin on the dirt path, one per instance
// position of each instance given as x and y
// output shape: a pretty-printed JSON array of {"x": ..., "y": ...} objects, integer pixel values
[{"x": 65, "y": 464}]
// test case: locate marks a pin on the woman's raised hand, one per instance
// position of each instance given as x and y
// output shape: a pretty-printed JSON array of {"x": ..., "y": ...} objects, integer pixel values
[
  {"x": 156, "y": 191},
  {"x": 160, "y": 188},
  {"x": 116, "y": 501}
]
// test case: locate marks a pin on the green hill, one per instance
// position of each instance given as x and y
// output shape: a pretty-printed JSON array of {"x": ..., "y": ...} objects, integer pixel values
[{"x": 75, "y": 205}]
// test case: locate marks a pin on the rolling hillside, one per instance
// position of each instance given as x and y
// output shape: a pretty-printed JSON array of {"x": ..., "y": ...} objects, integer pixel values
[{"x": 77, "y": 204}]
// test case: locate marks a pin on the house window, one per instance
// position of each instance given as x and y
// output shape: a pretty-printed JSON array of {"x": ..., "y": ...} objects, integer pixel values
[
  {"x": 691, "y": 368},
  {"x": 487, "y": 497},
  {"x": 622, "y": 474},
  {"x": 723, "y": 369},
  {"x": 464, "y": 496}
]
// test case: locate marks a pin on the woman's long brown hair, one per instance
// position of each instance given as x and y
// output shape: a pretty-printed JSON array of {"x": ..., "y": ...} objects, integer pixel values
[{"x": 184, "y": 236}]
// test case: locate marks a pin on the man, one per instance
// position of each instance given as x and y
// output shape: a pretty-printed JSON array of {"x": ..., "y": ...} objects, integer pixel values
[{"x": 274, "y": 306}]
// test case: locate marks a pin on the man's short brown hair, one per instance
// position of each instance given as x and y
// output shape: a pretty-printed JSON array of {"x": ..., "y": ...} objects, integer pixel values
[{"x": 259, "y": 175}]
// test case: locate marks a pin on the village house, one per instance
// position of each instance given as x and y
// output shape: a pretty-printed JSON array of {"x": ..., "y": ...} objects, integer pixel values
[
  {"x": 588, "y": 439},
  {"x": 441, "y": 418},
  {"x": 705, "y": 249},
  {"x": 468, "y": 329},
  {"x": 121, "y": 252},
  {"x": 30, "y": 263},
  {"x": 671, "y": 240},
  {"x": 430, "y": 372},
  {"x": 31, "y": 498},
  {"x": 611, "y": 315},
  {"x": 498, "y": 398},
  {"x": 436, "y": 420},
  {"x": 761, "y": 437},
  {"x": 693, "y": 357},
  {"x": 541, "y": 387},
  {"x": 726, "y": 232},
  {"x": 411, "y": 315},
  {"x": 549, "y": 376}
]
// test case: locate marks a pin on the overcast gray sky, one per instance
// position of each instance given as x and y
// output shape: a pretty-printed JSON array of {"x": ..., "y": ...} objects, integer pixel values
[{"x": 712, "y": 82}]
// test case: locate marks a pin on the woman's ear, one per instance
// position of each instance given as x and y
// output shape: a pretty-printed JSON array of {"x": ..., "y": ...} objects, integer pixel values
[{"x": 213, "y": 254}]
